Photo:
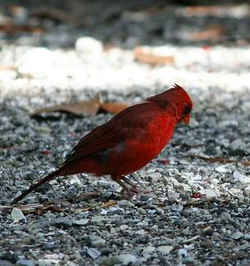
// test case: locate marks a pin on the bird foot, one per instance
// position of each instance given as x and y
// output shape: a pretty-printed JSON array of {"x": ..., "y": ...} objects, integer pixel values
[
  {"x": 129, "y": 193},
  {"x": 129, "y": 189}
]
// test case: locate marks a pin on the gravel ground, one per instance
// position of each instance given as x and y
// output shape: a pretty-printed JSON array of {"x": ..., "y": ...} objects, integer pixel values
[{"x": 198, "y": 211}]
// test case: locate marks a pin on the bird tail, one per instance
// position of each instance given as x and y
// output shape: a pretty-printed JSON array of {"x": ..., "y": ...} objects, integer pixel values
[{"x": 36, "y": 185}]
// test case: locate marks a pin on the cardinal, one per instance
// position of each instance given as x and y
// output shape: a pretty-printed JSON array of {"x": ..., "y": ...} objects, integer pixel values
[{"x": 127, "y": 142}]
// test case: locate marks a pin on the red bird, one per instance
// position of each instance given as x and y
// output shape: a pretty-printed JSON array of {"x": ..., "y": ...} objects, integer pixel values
[{"x": 128, "y": 141}]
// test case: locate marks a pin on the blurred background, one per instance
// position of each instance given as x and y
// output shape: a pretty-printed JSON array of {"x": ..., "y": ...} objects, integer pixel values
[{"x": 126, "y": 23}]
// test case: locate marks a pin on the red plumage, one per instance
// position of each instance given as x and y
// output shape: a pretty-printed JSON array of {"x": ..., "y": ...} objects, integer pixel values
[{"x": 128, "y": 141}]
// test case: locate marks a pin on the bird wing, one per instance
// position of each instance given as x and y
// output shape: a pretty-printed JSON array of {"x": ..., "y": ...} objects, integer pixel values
[
  {"x": 120, "y": 128},
  {"x": 99, "y": 139}
]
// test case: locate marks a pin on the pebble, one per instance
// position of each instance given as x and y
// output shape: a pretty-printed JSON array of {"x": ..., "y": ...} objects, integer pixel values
[
  {"x": 164, "y": 250},
  {"x": 247, "y": 236},
  {"x": 81, "y": 222},
  {"x": 98, "y": 242},
  {"x": 6, "y": 263},
  {"x": 126, "y": 259},
  {"x": 222, "y": 169},
  {"x": 237, "y": 235},
  {"x": 148, "y": 250},
  {"x": 125, "y": 203},
  {"x": 65, "y": 221},
  {"x": 110, "y": 261},
  {"x": 17, "y": 215},
  {"x": 210, "y": 194},
  {"x": 93, "y": 253},
  {"x": 247, "y": 191},
  {"x": 24, "y": 262},
  {"x": 98, "y": 219},
  {"x": 48, "y": 262},
  {"x": 241, "y": 178},
  {"x": 237, "y": 144},
  {"x": 89, "y": 48}
]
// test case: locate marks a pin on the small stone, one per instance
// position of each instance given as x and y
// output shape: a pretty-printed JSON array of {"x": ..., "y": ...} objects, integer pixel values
[
  {"x": 88, "y": 47},
  {"x": 17, "y": 215},
  {"x": 23, "y": 262},
  {"x": 50, "y": 245},
  {"x": 148, "y": 250},
  {"x": 222, "y": 169},
  {"x": 142, "y": 211},
  {"x": 210, "y": 194},
  {"x": 241, "y": 178},
  {"x": 141, "y": 232},
  {"x": 247, "y": 237},
  {"x": 99, "y": 242},
  {"x": 64, "y": 221},
  {"x": 75, "y": 180},
  {"x": 124, "y": 227},
  {"x": 125, "y": 203},
  {"x": 182, "y": 253},
  {"x": 164, "y": 250},
  {"x": 48, "y": 262},
  {"x": 126, "y": 259},
  {"x": 225, "y": 216},
  {"x": 237, "y": 235},
  {"x": 6, "y": 263},
  {"x": 173, "y": 196},
  {"x": 93, "y": 253},
  {"x": 237, "y": 144},
  {"x": 81, "y": 222},
  {"x": 191, "y": 240},
  {"x": 145, "y": 198},
  {"x": 111, "y": 261},
  {"x": 98, "y": 219},
  {"x": 155, "y": 176},
  {"x": 236, "y": 192},
  {"x": 247, "y": 191}
]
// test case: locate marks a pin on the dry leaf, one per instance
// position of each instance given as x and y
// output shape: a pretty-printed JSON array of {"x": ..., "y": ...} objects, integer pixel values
[
  {"x": 151, "y": 59},
  {"x": 12, "y": 28},
  {"x": 87, "y": 108},
  {"x": 114, "y": 108},
  {"x": 213, "y": 33}
]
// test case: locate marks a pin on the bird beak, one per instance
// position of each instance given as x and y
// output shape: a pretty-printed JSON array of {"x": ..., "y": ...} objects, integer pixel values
[{"x": 186, "y": 119}]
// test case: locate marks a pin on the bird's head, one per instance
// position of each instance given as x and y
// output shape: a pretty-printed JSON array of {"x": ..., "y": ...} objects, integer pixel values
[{"x": 177, "y": 100}]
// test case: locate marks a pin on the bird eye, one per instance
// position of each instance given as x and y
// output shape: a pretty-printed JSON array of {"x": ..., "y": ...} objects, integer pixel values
[{"x": 187, "y": 110}]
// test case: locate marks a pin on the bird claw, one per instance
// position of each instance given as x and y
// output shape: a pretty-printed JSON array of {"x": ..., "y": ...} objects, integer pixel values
[{"x": 130, "y": 192}]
